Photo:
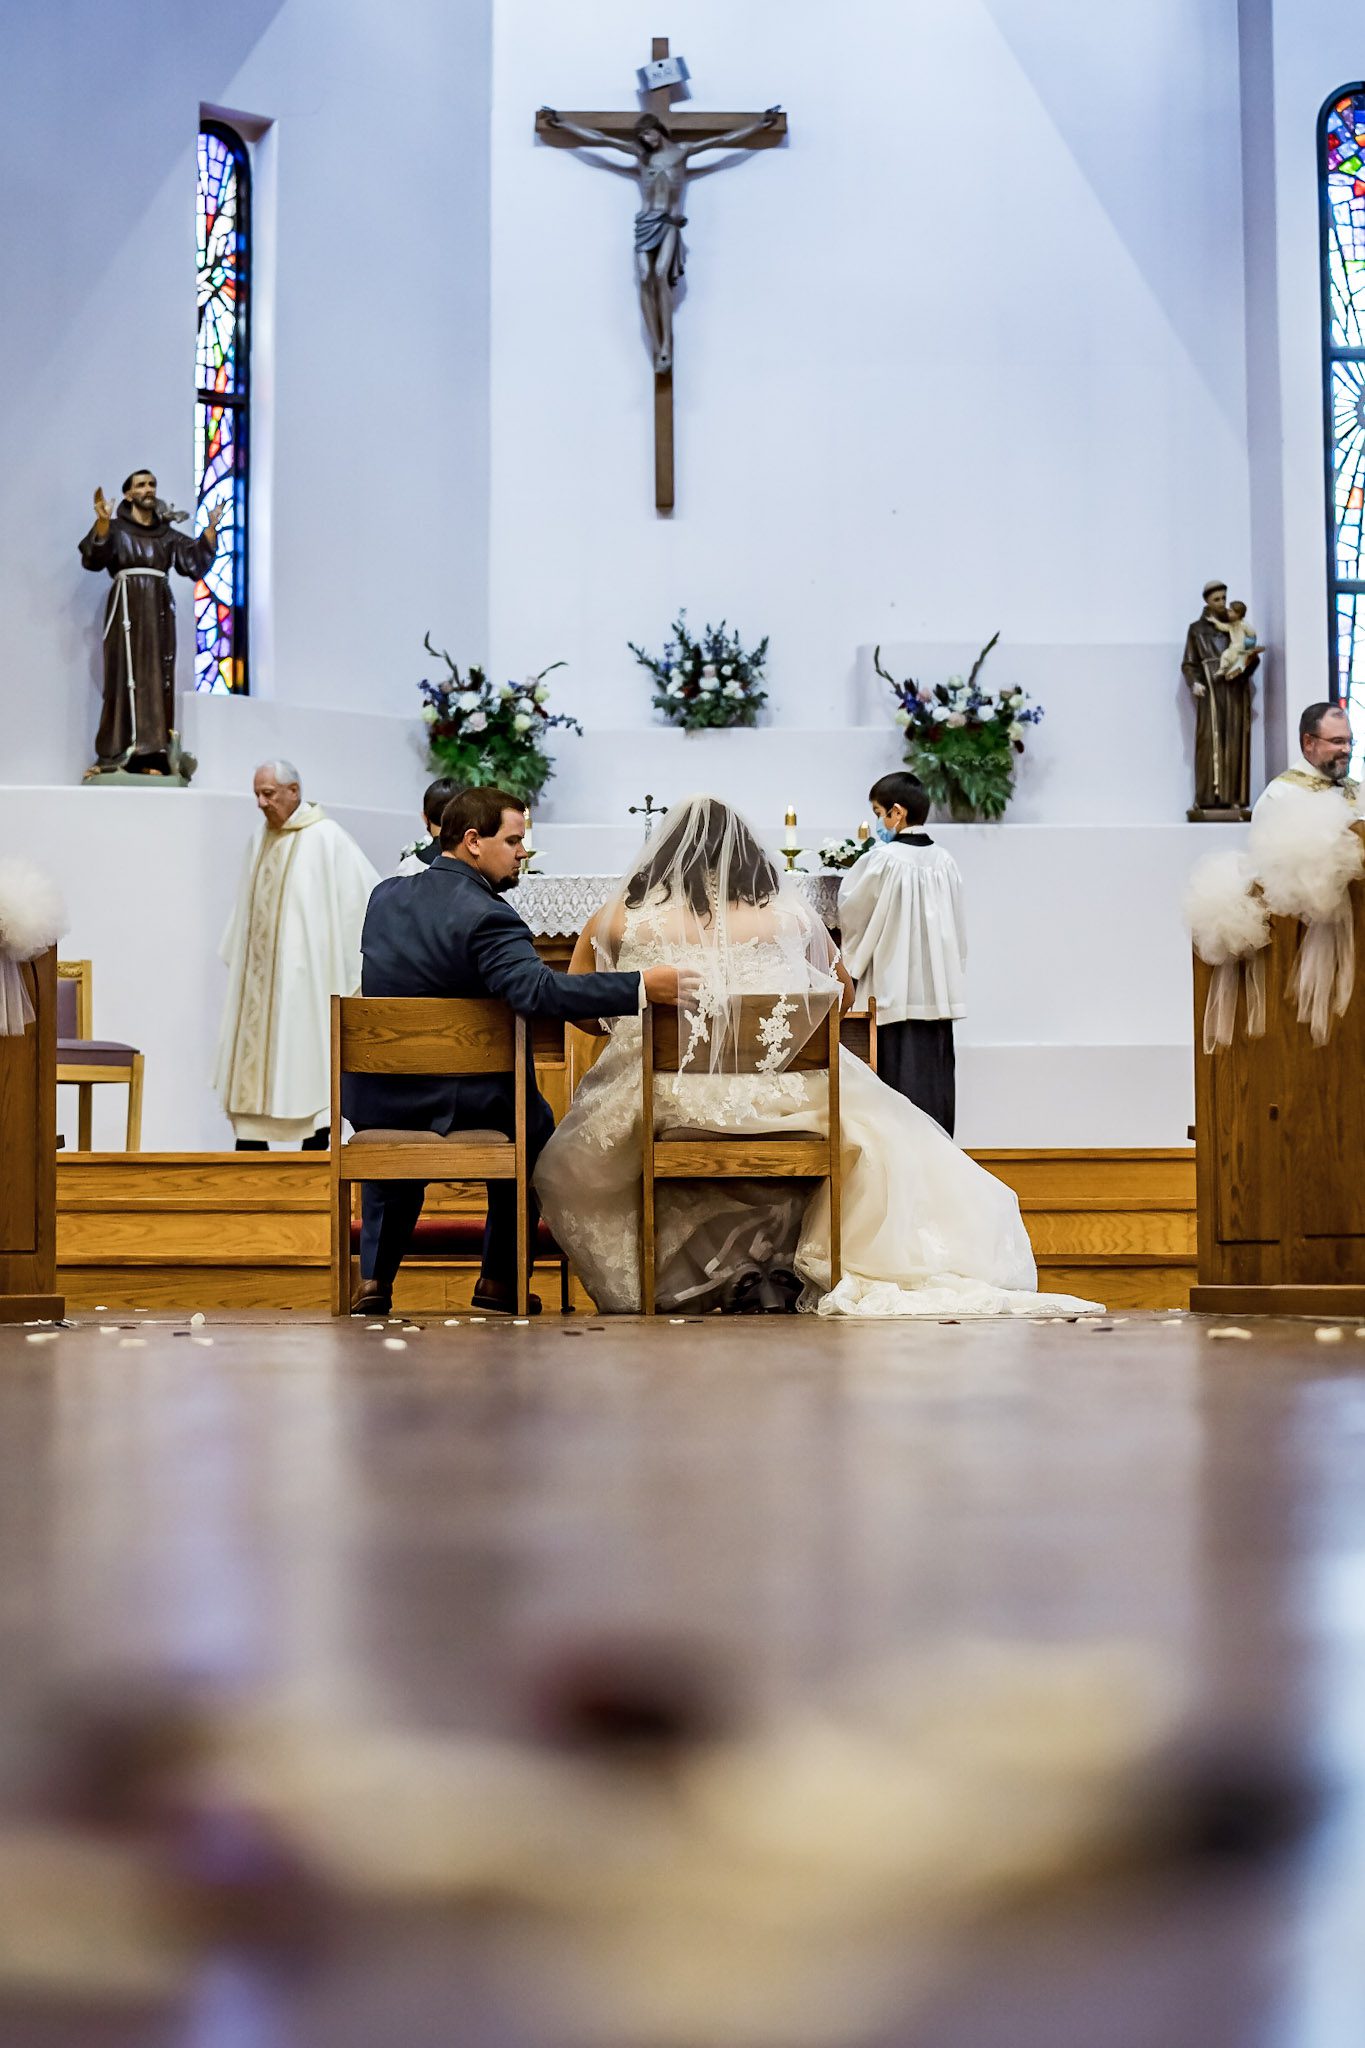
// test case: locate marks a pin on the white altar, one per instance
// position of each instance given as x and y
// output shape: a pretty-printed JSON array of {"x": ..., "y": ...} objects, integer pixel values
[{"x": 558, "y": 906}]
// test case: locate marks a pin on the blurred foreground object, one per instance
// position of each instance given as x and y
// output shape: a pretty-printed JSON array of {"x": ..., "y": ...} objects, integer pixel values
[{"x": 658, "y": 1880}]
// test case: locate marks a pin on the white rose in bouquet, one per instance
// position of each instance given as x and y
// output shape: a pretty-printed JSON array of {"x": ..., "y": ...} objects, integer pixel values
[
  {"x": 468, "y": 700},
  {"x": 1016, "y": 731},
  {"x": 901, "y": 718},
  {"x": 732, "y": 689},
  {"x": 430, "y": 714},
  {"x": 476, "y": 721},
  {"x": 522, "y": 722},
  {"x": 507, "y": 690},
  {"x": 709, "y": 669},
  {"x": 709, "y": 685},
  {"x": 541, "y": 692},
  {"x": 956, "y": 718}
]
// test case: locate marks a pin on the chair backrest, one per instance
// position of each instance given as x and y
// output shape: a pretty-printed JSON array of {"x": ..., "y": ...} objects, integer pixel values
[
  {"x": 426, "y": 1035},
  {"x": 749, "y": 1015},
  {"x": 582, "y": 1050},
  {"x": 75, "y": 999}
]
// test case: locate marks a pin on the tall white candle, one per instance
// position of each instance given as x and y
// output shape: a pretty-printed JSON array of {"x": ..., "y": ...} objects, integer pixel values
[
  {"x": 791, "y": 826},
  {"x": 527, "y": 842}
]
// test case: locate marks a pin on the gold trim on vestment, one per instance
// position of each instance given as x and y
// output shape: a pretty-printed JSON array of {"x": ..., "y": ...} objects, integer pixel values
[
  {"x": 247, "y": 1090},
  {"x": 1305, "y": 778}
]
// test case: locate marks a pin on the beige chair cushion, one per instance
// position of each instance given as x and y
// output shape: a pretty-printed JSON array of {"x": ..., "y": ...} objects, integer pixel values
[
  {"x": 688, "y": 1133},
  {"x": 431, "y": 1138}
]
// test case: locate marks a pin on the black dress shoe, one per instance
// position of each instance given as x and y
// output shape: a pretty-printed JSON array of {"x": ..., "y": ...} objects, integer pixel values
[
  {"x": 369, "y": 1300},
  {"x": 771, "y": 1291},
  {"x": 499, "y": 1302}
]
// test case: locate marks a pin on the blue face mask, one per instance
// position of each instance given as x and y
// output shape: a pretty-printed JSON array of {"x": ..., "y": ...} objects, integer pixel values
[{"x": 884, "y": 831}]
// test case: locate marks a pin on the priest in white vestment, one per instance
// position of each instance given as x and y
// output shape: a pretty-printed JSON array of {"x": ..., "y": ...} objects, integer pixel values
[
  {"x": 1324, "y": 763},
  {"x": 904, "y": 941},
  {"x": 292, "y": 943}
]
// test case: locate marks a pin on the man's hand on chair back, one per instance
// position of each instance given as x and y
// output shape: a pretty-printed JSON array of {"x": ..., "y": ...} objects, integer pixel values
[{"x": 671, "y": 985}]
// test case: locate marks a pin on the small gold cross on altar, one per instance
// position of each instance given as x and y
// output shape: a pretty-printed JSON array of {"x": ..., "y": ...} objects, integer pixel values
[{"x": 661, "y": 140}]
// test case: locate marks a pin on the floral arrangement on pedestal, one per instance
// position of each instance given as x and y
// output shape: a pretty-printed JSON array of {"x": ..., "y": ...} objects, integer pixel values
[
  {"x": 844, "y": 853},
  {"x": 700, "y": 684},
  {"x": 482, "y": 732},
  {"x": 960, "y": 740}
]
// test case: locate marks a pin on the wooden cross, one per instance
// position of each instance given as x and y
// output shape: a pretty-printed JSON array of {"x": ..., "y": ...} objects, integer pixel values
[{"x": 686, "y": 128}]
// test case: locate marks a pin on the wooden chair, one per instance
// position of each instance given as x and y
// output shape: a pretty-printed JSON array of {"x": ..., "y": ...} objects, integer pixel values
[
  {"x": 682, "y": 1152},
  {"x": 85, "y": 1062},
  {"x": 425, "y": 1035},
  {"x": 858, "y": 1033}
]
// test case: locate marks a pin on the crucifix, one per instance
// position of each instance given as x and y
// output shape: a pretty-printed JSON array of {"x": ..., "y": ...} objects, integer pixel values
[
  {"x": 649, "y": 811},
  {"x": 661, "y": 141}
]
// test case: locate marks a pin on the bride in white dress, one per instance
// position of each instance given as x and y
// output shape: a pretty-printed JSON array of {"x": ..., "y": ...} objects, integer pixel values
[{"x": 926, "y": 1232}]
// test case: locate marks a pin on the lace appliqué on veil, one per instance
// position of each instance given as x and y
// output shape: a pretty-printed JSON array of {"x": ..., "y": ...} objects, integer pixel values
[{"x": 776, "y": 1035}]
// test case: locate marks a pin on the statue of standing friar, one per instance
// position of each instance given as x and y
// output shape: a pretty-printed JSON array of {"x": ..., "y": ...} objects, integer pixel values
[
  {"x": 138, "y": 544},
  {"x": 1221, "y": 657}
]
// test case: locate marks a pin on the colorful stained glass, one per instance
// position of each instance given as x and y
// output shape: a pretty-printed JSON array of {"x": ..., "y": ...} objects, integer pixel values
[{"x": 223, "y": 220}]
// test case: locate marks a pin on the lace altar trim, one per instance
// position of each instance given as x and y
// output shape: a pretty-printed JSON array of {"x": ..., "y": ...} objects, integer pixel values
[{"x": 558, "y": 906}]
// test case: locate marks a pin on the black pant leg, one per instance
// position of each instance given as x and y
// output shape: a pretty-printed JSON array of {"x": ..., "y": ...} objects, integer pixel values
[
  {"x": 371, "y": 1222},
  {"x": 399, "y": 1206},
  {"x": 500, "y": 1231}
]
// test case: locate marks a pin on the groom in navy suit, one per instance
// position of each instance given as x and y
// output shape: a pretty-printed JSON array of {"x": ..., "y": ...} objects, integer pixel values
[{"x": 449, "y": 931}]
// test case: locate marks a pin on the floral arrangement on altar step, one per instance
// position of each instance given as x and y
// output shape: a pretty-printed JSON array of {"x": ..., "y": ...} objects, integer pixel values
[
  {"x": 482, "y": 732},
  {"x": 962, "y": 742},
  {"x": 844, "y": 853},
  {"x": 707, "y": 683}
]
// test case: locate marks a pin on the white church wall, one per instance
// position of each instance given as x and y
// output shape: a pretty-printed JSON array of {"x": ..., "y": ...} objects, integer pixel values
[
  {"x": 966, "y": 354},
  {"x": 372, "y": 258},
  {"x": 1313, "y": 49}
]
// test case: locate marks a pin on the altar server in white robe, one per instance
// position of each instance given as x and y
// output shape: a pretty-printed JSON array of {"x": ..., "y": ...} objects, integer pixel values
[
  {"x": 905, "y": 943},
  {"x": 1323, "y": 768},
  {"x": 292, "y": 943}
]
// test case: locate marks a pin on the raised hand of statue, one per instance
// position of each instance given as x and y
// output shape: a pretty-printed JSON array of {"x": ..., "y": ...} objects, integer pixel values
[
  {"x": 770, "y": 114},
  {"x": 104, "y": 511},
  {"x": 551, "y": 116}
]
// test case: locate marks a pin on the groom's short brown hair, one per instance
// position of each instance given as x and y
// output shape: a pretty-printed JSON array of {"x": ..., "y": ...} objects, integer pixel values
[{"x": 476, "y": 810}]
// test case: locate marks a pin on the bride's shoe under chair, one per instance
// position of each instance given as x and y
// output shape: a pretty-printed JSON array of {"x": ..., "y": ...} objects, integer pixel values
[
  {"x": 417, "y": 1035},
  {"x": 687, "y": 1152}
]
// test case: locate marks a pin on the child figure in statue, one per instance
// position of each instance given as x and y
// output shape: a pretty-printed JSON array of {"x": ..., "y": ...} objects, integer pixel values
[
  {"x": 905, "y": 943},
  {"x": 1242, "y": 642}
]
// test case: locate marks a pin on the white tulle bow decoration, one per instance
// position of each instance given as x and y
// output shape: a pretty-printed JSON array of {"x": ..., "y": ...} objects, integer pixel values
[
  {"x": 1229, "y": 924},
  {"x": 32, "y": 918},
  {"x": 1305, "y": 857}
]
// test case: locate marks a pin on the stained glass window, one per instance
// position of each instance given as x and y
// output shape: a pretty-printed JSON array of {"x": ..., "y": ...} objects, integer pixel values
[
  {"x": 221, "y": 421},
  {"x": 1342, "y": 172}
]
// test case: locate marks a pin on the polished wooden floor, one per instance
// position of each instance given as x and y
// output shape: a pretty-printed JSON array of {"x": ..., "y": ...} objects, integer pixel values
[{"x": 414, "y": 1521}]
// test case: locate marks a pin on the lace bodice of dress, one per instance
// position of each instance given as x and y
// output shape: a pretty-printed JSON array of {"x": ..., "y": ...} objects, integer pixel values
[{"x": 771, "y": 957}]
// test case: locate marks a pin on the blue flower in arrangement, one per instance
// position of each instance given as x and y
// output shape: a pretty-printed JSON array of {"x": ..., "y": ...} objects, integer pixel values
[
  {"x": 481, "y": 732},
  {"x": 961, "y": 741},
  {"x": 708, "y": 682}
]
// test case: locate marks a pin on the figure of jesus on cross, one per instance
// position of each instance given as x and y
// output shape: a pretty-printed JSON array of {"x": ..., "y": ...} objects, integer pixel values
[
  {"x": 661, "y": 153},
  {"x": 658, "y": 225}
]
